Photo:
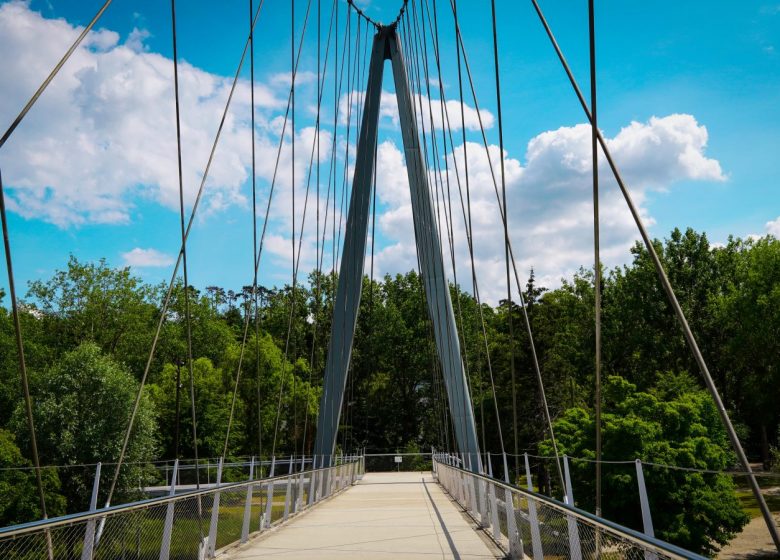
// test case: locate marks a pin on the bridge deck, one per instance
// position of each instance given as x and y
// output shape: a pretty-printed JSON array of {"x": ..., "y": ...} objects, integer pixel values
[{"x": 400, "y": 515}]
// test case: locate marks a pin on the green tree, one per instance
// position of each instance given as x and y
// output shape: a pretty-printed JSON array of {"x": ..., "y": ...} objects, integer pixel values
[
  {"x": 677, "y": 424},
  {"x": 19, "y": 500},
  {"x": 82, "y": 406},
  {"x": 97, "y": 303}
]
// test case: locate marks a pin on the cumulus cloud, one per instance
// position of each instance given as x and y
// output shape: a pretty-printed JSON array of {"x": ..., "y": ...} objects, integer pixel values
[
  {"x": 103, "y": 133},
  {"x": 143, "y": 258},
  {"x": 773, "y": 227},
  {"x": 549, "y": 198}
]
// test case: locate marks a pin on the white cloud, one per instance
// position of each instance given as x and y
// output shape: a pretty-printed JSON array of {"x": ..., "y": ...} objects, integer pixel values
[
  {"x": 103, "y": 133},
  {"x": 549, "y": 198},
  {"x": 141, "y": 258},
  {"x": 773, "y": 227}
]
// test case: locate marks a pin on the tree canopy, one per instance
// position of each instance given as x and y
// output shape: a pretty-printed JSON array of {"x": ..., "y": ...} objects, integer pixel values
[{"x": 88, "y": 331}]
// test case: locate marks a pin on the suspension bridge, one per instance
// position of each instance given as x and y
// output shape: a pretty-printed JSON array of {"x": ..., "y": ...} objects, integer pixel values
[{"x": 319, "y": 502}]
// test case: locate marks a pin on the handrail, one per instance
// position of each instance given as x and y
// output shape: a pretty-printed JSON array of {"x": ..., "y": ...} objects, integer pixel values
[
  {"x": 644, "y": 541},
  {"x": 73, "y": 518}
]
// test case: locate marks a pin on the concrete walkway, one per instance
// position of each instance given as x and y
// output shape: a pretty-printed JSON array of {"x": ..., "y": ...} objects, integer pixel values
[{"x": 386, "y": 515}]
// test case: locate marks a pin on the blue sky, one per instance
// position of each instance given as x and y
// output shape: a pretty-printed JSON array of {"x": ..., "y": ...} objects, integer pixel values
[{"x": 91, "y": 171}]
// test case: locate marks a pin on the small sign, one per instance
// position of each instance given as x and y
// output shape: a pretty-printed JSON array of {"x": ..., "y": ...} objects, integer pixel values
[{"x": 398, "y": 459}]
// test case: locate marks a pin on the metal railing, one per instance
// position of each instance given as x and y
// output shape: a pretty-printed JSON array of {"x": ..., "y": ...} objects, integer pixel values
[
  {"x": 190, "y": 525},
  {"x": 530, "y": 525}
]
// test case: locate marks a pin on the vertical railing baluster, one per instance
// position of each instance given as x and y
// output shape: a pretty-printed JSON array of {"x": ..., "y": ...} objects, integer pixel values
[
  {"x": 288, "y": 489},
  {"x": 575, "y": 549},
  {"x": 165, "y": 545},
  {"x": 89, "y": 533},
  {"x": 493, "y": 502},
  {"x": 644, "y": 504},
  {"x": 270, "y": 501},
  {"x": 312, "y": 498},
  {"x": 248, "y": 503},
  {"x": 215, "y": 514},
  {"x": 536, "y": 538}
]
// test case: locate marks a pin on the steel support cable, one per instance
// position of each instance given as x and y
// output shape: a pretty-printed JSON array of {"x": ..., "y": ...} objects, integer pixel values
[
  {"x": 429, "y": 324},
  {"x": 469, "y": 226},
  {"x": 345, "y": 187},
  {"x": 373, "y": 22},
  {"x": 418, "y": 235},
  {"x": 254, "y": 239},
  {"x": 320, "y": 248},
  {"x": 596, "y": 248},
  {"x": 167, "y": 298},
  {"x": 664, "y": 279},
  {"x": 276, "y": 170},
  {"x": 455, "y": 394},
  {"x": 414, "y": 57},
  {"x": 348, "y": 412},
  {"x": 28, "y": 406},
  {"x": 415, "y": 64},
  {"x": 187, "y": 314},
  {"x": 336, "y": 95},
  {"x": 294, "y": 72},
  {"x": 506, "y": 235},
  {"x": 416, "y": 40},
  {"x": 292, "y": 228},
  {"x": 445, "y": 129},
  {"x": 351, "y": 77},
  {"x": 439, "y": 196},
  {"x": 459, "y": 41},
  {"x": 348, "y": 63},
  {"x": 57, "y": 67},
  {"x": 314, "y": 145},
  {"x": 350, "y": 82}
]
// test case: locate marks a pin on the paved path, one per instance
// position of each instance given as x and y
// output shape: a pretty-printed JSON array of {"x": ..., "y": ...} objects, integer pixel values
[{"x": 386, "y": 515}]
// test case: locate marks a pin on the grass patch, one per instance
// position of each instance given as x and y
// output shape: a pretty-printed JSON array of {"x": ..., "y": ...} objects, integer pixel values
[{"x": 750, "y": 505}]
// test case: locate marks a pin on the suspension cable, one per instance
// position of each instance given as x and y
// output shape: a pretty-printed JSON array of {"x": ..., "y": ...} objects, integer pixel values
[
  {"x": 506, "y": 234},
  {"x": 502, "y": 212},
  {"x": 254, "y": 239},
  {"x": 167, "y": 299},
  {"x": 667, "y": 286},
  {"x": 596, "y": 248},
  {"x": 20, "y": 352},
  {"x": 375, "y": 23},
  {"x": 187, "y": 315},
  {"x": 50, "y": 77}
]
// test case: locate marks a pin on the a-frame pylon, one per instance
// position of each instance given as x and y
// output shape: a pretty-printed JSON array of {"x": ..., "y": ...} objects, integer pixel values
[{"x": 387, "y": 46}]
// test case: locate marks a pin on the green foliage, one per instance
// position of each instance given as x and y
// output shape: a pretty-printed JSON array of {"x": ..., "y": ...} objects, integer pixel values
[
  {"x": 675, "y": 423},
  {"x": 395, "y": 398},
  {"x": 82, "y": 406},
  {"x": 19, "y": 501}
]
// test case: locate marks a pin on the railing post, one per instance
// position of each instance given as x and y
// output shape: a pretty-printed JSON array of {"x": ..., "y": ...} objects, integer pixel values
[
  {"x": 270, "y": 496},
  {"x": 299, "y": 497},
  {"x": 248, "y": 503},
  {"x": 493, "y": 501},
  {"x": 89, "y": 533},
  {"x": 515, "y": 545},
  {"x": 644, "y": 503},
  {"x": 575, "y": 550},
  {"x": 165, "y": 546},
  {"x": 321, "y": 483},
  {"x": 215, "y": 514},
  {"x": 312, "y": 498},
  {"x": 288, "y": 490},
  {"x": 536, "y": 538}
]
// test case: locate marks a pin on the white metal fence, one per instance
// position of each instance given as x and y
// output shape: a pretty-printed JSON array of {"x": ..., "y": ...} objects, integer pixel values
[
  {"x": 533, "y": 526},
  {"x": 190, "y": 525}
]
